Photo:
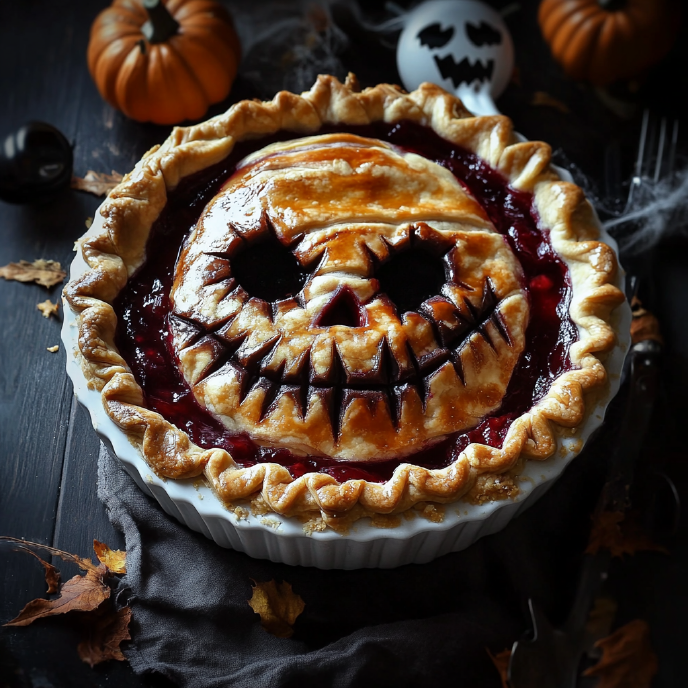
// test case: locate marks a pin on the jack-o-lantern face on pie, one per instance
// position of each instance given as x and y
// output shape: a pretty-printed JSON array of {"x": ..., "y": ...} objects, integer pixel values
[{"x": 342, "y": 297}]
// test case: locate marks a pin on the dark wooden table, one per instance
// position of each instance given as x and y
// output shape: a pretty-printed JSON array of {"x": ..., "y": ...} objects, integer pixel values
[{"x": 48, "y": 450}]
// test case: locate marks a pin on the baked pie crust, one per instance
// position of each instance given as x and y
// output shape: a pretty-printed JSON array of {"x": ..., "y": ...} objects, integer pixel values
[{"x": 384, "y": 411}]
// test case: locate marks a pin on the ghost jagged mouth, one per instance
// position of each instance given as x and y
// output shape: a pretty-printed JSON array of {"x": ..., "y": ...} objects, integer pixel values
[
  {"x": 464, "y": 72},
  {"x": 337, "y": 388}
]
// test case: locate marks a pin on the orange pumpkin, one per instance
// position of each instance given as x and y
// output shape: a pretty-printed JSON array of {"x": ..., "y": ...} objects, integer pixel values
[
  {"x": 602, "y": 41},
  {"x": 163, "y": 63}
]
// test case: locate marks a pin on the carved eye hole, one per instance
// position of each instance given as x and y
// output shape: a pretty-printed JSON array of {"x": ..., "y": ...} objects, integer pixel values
[
  {"x": 411, "y": 277},
  {"x": 268, "y": 270}
]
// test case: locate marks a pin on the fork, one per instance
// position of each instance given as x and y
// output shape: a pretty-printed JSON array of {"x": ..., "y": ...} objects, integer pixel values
[{"x": 552, "y": 658}]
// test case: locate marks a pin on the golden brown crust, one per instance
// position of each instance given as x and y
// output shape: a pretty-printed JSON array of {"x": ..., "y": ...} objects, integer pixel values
[{"x": 132, "y": 207}]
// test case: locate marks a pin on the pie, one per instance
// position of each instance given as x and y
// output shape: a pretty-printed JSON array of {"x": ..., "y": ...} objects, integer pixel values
[{"x": 348, "y": 302}]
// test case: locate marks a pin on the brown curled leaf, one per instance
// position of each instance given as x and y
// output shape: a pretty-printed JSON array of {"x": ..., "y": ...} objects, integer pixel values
[
  {"x": 628, "y": 660},
  {"x": 278, "y": 607},
  {"x": 114, "y": 559},
  {"x": 103, "y": 632},
  {"x": 81, "y": 593},
  {"x": 47, "y": 273},
  {"x": 501, "y": 662},
  {"x": 97, "y": 183}
]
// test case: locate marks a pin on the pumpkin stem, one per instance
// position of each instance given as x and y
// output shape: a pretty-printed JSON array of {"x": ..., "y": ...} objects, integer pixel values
[{"x": 161, "y": 24}]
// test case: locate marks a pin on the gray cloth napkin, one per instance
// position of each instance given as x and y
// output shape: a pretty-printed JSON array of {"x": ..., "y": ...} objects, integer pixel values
[{"x": 418, "y": 625}]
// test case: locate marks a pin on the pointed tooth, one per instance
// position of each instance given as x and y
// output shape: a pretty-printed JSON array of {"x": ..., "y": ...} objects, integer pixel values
[
  {"x": 473, "y": 313},
  {"x": 250, "y": 357},
  {"x": 489, "y": 298},
  {"x": 184, "y": 332},
  {"x": 271, "y": 389},
  {"x": 498, "y": 321},
  {"x": 394, "y": 403},
  {"x": 458, "y": 366},
  {"x": 417, "y": 380},
  {"x": 327, "y": 399},
  {"x": 482, "y": 331}
]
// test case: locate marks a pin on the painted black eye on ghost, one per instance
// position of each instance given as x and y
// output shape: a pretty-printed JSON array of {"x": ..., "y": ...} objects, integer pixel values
[
  {"x": 434, "y": 37},
  {"x": 483, "y": 34}
]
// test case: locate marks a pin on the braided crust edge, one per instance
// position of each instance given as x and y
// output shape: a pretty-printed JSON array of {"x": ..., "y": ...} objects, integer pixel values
[{"x": 132, "y": 207}]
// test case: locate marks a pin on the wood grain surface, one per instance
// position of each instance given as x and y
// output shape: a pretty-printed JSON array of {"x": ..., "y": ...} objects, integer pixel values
[{"x": 48, "y": 450}]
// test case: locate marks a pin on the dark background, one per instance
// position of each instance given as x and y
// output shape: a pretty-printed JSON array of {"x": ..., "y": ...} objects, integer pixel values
[{"x": 48, "y": 451}]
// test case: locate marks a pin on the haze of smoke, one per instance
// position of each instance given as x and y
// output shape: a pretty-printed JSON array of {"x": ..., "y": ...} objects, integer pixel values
[{"x": 658, "y": 211}]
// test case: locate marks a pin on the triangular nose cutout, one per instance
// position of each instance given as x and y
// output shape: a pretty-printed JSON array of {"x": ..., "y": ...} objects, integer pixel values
[{"x": 343, "y": 309}]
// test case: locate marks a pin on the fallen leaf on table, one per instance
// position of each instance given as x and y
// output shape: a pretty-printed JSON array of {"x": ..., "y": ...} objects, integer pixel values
[
  {"x": 278, "y": 607},
  {"x": 97, "y": 183},
  {"x": 78, "y": 594},
  {"x": 52, "y": 575},
  {"x": 628, "y": 660},
  {"x": 53, "y": 349},
  {"x": 114, "y": 559},
  {"x": 543, "y": 99},
  {"x": 47, "y": 308},
  {"x": 104, "y": 627},
  {"x": 104, "y": 633},
  {"x": 610, "y": 530},
  {"x": 47, "y": 273},
  {"x": 501, "y": 662}
]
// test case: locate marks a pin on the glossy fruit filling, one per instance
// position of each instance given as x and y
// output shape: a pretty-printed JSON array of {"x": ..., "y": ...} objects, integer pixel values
[{"x": 142, "y": 308}]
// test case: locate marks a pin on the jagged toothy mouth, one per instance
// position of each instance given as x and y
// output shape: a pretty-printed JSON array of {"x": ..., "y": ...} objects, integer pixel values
[{"x": 337, "y": 388}]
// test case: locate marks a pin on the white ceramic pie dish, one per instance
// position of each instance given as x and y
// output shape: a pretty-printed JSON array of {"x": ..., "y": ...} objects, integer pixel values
[{"x": 282, "y": 539}]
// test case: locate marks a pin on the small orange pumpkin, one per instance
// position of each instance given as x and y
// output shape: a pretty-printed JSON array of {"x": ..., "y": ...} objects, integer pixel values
[
  {"x": 163, "y": 63},
  {"x": 604, "y": 41}
]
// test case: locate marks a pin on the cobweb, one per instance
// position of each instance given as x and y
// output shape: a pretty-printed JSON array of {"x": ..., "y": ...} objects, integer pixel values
[
  {"x": 657, "y": 211},
  {"x": 287, "y": 43}
]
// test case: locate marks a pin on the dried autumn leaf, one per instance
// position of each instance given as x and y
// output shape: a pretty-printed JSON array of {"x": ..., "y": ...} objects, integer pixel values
[
  {"x": 278, "y": 607},
  {"x": 608, "y": 533},
  {"x": 47, "y": 273},
  {"x": 47, "y": 308},
  {"x": 52, "y": 575},
  {"x": 79, "y": 594},
  {"x": 628, "y": 660},
  {"x": 104, "y": 633},
  {"x": 114, "y": 559},
  {"x": 543, "y": 99},
  {"x": 501, "y": 662},
  {"x": 97, "y": 183}
]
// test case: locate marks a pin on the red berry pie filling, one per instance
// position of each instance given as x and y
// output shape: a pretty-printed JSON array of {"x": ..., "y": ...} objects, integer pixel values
[
  {"x": 345, "y": 302},
  {"x": 269, "y": 272}
]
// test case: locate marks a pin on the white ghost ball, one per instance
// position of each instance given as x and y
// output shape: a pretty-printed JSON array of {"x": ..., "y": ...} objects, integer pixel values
[{"x": 456, "y": 44}]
